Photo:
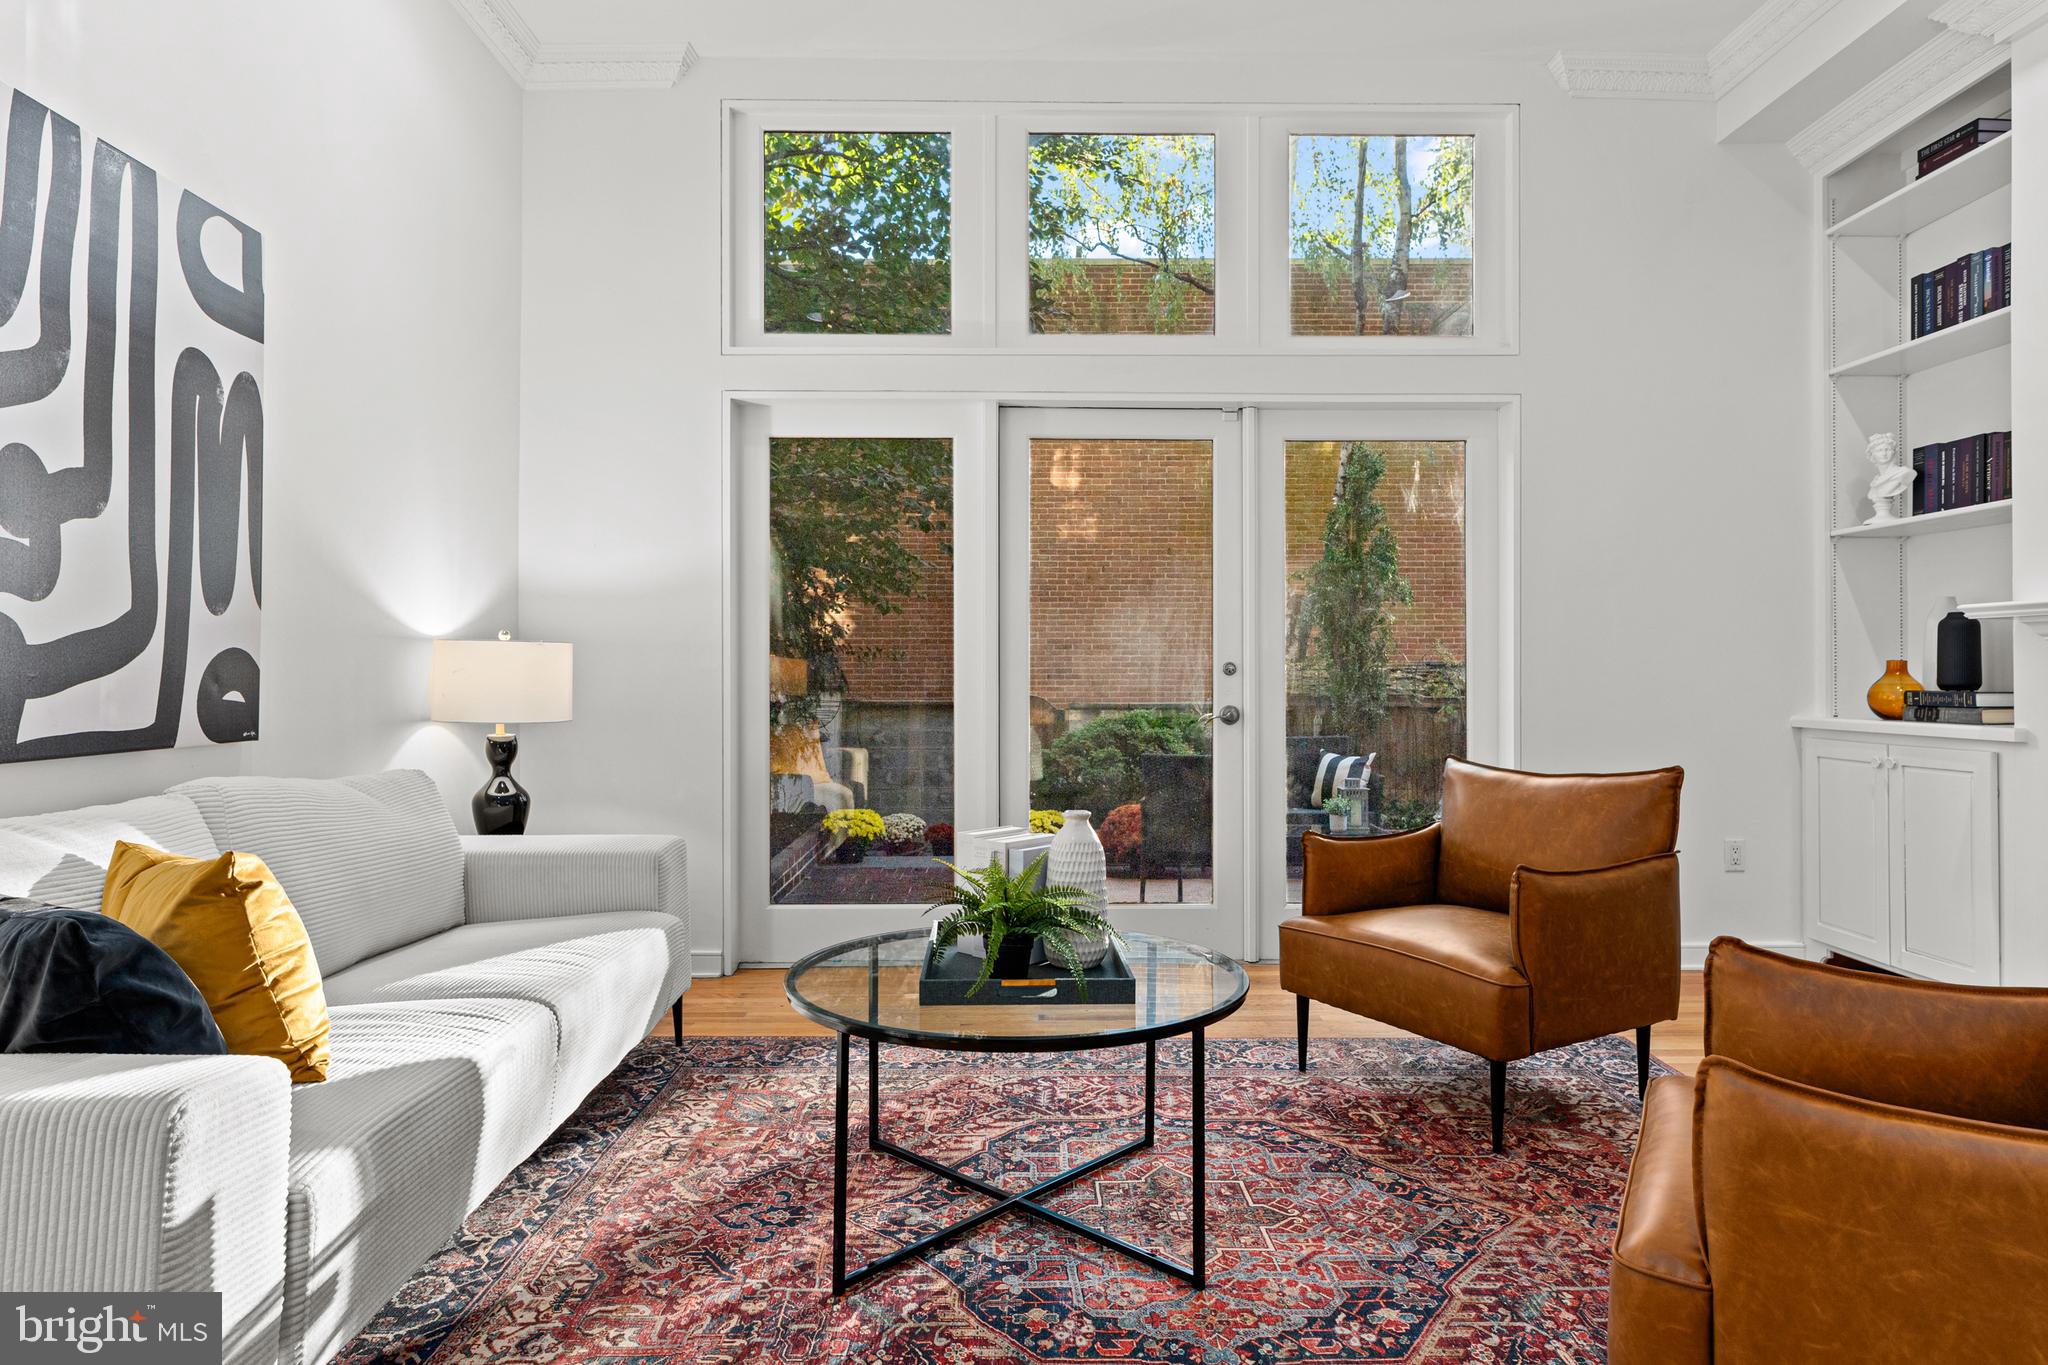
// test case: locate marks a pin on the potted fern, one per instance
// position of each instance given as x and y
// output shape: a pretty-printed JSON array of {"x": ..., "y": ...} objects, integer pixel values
[{"x": 1014, "y": 915}]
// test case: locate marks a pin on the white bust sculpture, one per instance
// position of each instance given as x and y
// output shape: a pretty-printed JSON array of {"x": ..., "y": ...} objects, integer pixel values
[{"x": 1889, "y": 479}]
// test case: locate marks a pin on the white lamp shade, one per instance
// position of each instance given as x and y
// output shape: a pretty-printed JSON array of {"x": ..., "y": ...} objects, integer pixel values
[{"x": 500, "y": 681}]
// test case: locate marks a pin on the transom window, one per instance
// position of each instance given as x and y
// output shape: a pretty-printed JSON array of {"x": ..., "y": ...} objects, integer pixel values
[{"x": 1033, "y": 228}]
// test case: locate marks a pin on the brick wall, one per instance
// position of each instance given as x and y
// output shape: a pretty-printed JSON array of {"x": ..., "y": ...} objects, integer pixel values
[
  {"x": 1120, "y": 548},
  {"x": 1122, "y": 297}
]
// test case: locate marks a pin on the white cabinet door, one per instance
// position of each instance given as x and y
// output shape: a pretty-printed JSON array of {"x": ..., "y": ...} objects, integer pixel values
[
  {"x": 1944, "y": 863},
  {"x": 1848, "y": 847}
]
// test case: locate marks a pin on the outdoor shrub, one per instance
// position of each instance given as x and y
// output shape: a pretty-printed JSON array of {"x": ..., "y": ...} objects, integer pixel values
[
  {"x": 941, "y": 838},
  {"x": 1122, "y": 831},
  {"x": 855, "y": 824},
  {"x": 1047, "y": 822},
  {"x": 903, "y": 831},
  {"x": 1095, "y": 766}
]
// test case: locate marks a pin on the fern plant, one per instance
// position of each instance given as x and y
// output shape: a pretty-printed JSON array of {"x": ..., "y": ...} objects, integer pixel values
[{"x": 1000, "y": 907}]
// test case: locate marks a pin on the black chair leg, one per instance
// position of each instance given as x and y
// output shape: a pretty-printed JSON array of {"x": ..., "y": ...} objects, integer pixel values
[
  {"x": 1301, "y": 1033},
  {"x": 675, "y": 1014},
  {"x": 1499, "y": 1086},
  {"x": 1642, "y": 1060}
]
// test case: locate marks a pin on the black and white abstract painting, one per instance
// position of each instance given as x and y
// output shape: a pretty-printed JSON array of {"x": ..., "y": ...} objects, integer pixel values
[{"x": 131, "y": 451}]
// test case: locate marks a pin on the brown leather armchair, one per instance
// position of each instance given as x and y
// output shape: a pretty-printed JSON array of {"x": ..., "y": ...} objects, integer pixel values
[
  {"x": 1859, "y": 1173},
  {"x": 1541, "y": 910}
]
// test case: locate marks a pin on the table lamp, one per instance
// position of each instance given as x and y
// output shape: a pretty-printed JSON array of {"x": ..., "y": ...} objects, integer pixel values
[{"x": 493, "y": 681}]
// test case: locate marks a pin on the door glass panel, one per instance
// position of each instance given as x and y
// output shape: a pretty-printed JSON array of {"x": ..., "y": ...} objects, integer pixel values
[
  {"x": 857, "y": 232},
  {"x": 1380, "y": 236},
  {"x": 1375, "y": 633},
  {"x": 1122, "y": 651},
  {"x": 1123, "y": 233},
  {"x": 860, "y": 670}
]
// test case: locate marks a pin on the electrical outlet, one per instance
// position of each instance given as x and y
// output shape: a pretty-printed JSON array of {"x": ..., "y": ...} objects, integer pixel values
[{"x": 1734, "y": 858}]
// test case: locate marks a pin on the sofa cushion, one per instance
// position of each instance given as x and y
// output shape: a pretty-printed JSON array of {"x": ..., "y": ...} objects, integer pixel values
[
  {"x": 371, "y": 863},
  {"x": 605, "y": 977},
  {"x": 78, "y": 981},
  {"x": 228, "y": 923},
  {"x": 61, "y": 858},
  {"x": 426, "y": 1107}
]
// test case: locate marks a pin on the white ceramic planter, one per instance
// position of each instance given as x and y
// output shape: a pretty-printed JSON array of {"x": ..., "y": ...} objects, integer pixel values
[{"x": 1076, "y": 859}]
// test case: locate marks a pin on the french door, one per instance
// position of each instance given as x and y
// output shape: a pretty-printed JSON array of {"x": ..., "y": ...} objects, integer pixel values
[
  {"x": 957, "y": 614},
  {"x": 1122, "y": 650},
  {"x": 1384, "y": 617}
]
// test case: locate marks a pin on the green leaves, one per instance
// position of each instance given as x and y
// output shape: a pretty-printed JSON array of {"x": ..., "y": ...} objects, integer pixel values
[
  {"x": 839, "y": 511},
  {"x": 1343, "y": 625},
  {"x": 992, "y": 903},
  {"x": 1364, "y": 208},
  {"x": 1144, "y": 198},
  {"x": 857, "y": 232}
]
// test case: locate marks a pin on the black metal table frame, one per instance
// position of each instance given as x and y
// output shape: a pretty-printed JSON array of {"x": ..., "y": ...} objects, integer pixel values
[{"x": 1024, "y": 1201}]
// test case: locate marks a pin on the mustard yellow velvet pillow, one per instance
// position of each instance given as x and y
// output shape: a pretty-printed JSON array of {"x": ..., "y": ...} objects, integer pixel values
[{"x": 228, "y": 923}]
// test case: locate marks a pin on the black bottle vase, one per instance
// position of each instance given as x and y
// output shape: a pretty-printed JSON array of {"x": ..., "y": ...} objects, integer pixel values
[
  {"x": 501, "y": 805},
  {"x": 1958, "y": 653}
]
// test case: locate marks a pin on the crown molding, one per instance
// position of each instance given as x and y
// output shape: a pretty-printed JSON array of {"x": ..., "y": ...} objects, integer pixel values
[
  {"x": 1631, "y": 76},
  {"x": 1928, "y": 74},
  {"x": 1999, "y": 20},
  {"x": 535, "y": 65},
  {"x": 1759, "y": 38}
]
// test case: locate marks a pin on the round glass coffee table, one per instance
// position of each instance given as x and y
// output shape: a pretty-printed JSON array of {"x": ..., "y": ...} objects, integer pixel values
[{"x": 869, "y": 989}]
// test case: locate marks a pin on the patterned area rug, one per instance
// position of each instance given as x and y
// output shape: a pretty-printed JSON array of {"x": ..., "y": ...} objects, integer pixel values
[{"x": 1355, "y": 1214}]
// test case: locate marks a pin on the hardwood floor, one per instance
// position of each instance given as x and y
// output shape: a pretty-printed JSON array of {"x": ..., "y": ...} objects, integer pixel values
[{"x": 751, "y": 1002}]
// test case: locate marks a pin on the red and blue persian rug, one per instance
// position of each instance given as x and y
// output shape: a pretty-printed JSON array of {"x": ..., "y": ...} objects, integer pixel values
[{"x": 1355, "y": 1214}]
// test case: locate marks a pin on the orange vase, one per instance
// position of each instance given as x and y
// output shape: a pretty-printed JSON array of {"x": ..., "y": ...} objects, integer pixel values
[{"x": 1887, "y": 696}]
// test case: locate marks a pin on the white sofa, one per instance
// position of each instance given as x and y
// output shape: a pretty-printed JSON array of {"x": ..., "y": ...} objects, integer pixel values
[{"x": 478, "y": 989}]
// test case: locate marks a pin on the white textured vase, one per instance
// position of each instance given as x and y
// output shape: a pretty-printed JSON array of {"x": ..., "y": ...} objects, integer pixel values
[{"x": 1076, "y": 859}]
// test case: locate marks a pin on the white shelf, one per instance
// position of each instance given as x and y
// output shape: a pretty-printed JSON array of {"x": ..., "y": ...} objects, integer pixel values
[
  {"x": 1916, "y": 729},
  {"x": 2032, "y": 615},
  {"x": 1929, "y": 523},
  {"x": 1974, "y": 337},
  {"x": 1963, "y": 181}
]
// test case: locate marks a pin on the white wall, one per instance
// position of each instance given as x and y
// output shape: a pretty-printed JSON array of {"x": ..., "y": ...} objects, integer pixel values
[
  {"x": 1666, "y": 343},
  {"x": 376, "y": 147}
]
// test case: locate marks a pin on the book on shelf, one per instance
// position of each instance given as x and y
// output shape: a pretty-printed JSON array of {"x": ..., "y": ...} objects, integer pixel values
[
  {"x": 1959, "y": 142},
  {"x": 1966, "y": 288},
  {"x": 1948, "y": 475},
  {"x": 1961, "y": 715},
  {"x": 1958, "y": 697}
]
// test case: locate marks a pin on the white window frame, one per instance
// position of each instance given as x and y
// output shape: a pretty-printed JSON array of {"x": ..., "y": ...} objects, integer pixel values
[
  {"x": 1235, "y": 263},
  {"x": 991, "y": 230},
  {"x": 744, "y": 295},
  {"x": 1496, "y": 233}
]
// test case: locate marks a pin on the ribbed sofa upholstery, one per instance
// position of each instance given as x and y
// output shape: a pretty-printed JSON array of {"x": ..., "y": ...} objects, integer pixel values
[{"x": 478, "y": 989}]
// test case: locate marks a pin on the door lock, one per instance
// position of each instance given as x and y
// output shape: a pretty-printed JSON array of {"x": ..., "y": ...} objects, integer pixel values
[{"x": 1229, "y": 715}]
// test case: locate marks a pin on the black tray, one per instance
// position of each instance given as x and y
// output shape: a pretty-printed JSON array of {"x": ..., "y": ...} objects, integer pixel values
[{"x": 947, "y": 982}]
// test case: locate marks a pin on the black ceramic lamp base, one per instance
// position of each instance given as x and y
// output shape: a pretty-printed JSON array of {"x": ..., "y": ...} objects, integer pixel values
[{"x": 501, "y": 805}]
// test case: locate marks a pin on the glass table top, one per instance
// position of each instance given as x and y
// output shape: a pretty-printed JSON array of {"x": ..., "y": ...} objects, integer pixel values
[{"x": 869, "y": 987}]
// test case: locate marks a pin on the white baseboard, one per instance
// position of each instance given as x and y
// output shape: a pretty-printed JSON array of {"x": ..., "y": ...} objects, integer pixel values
[
  {"x": 707, "y": 962},
  {"x": 1692, "y": 957}
]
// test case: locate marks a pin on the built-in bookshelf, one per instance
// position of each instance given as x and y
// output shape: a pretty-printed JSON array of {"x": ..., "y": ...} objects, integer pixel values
[{"x": 1883, "y": 225}]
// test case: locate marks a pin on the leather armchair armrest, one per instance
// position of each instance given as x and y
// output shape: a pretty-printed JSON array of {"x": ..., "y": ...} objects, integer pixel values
[
  {"x": 1341, "y": 875},
  {"x": 1600, "y": 947},
  {"x": 1843, "y": 1229}
]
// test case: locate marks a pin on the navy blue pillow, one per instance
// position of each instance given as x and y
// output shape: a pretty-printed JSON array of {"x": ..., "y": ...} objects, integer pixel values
[{"x": 77, "y": 981}]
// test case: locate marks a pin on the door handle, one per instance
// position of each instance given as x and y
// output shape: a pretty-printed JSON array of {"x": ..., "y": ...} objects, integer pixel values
[{"x": 1229, "y": 715}]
